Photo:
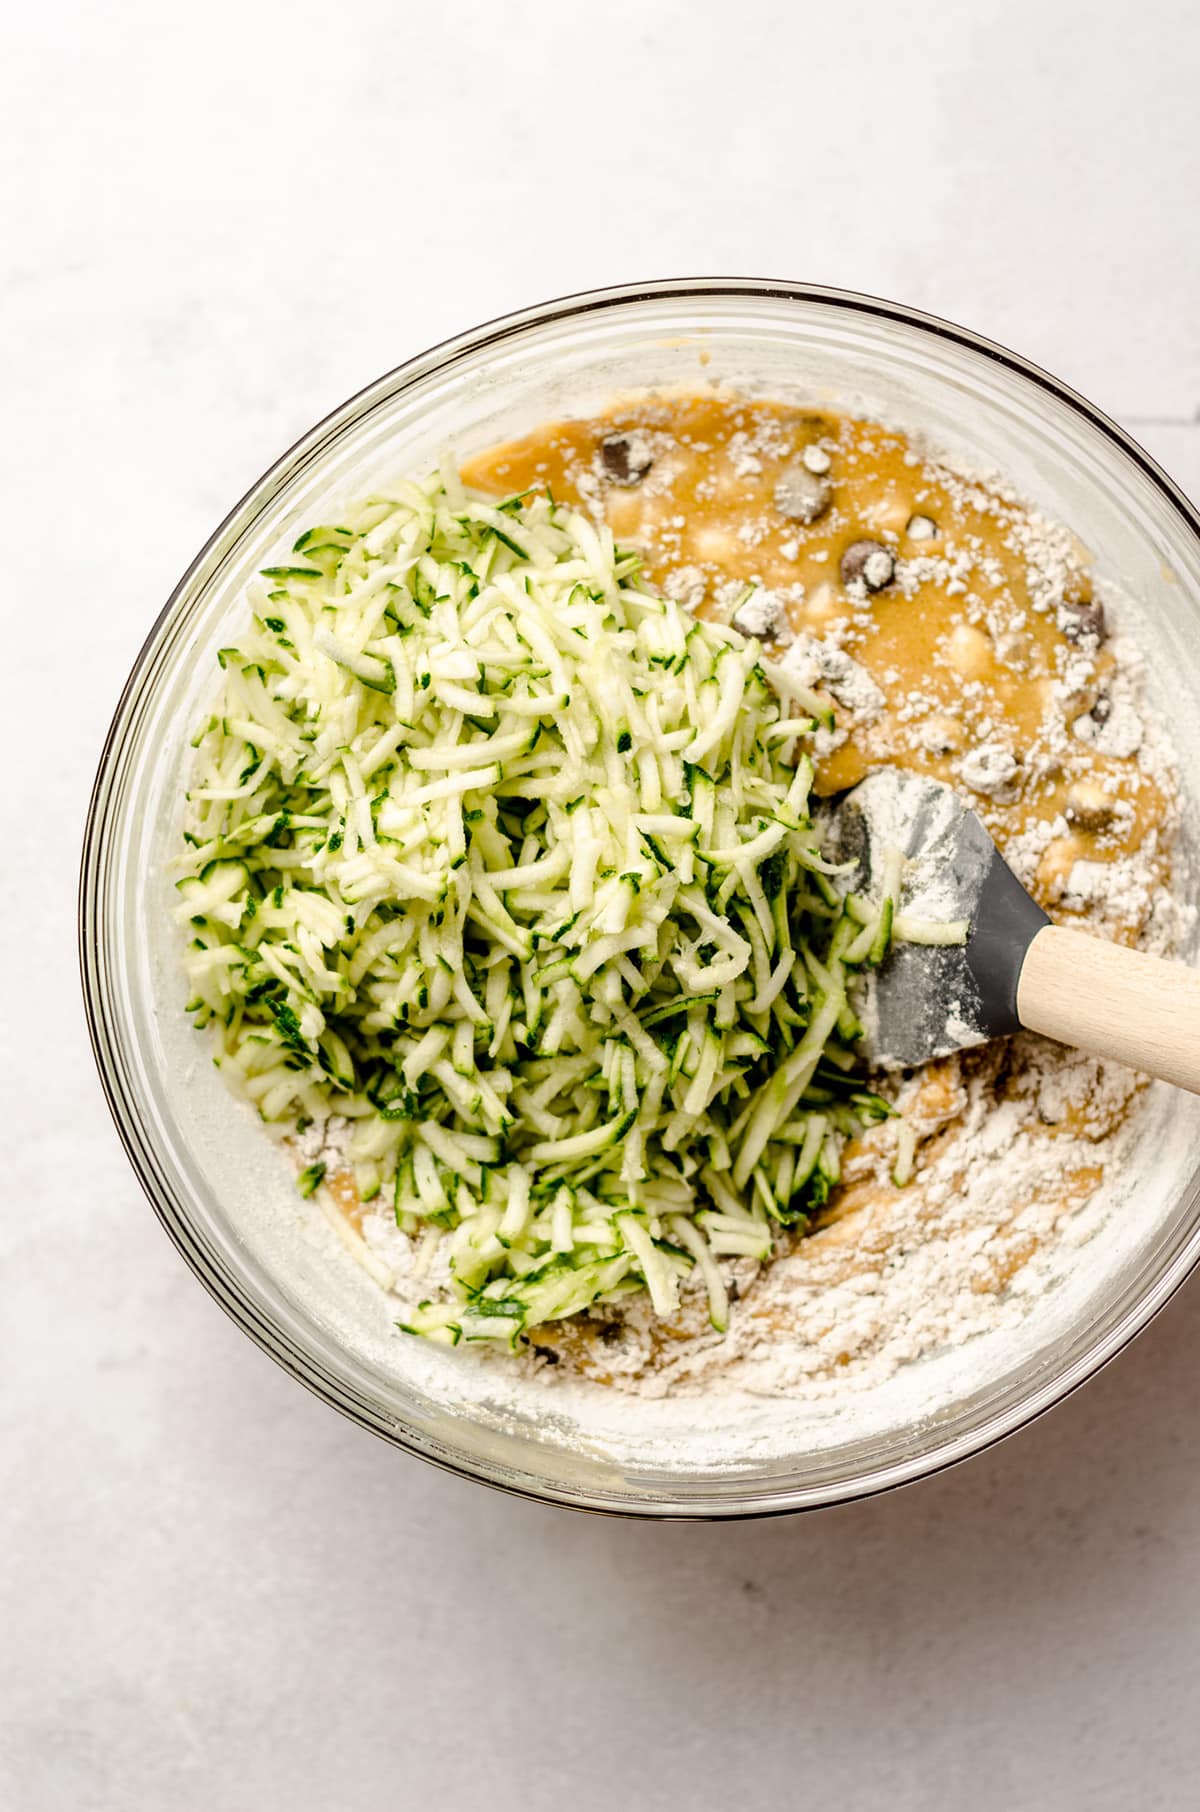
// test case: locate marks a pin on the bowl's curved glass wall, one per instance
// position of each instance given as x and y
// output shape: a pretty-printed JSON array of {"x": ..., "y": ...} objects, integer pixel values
[{"x": 222, "y": 1189}]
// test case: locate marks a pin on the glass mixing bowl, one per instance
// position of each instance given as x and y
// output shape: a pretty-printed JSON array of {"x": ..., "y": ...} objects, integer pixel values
[{"x": 222, "y": 1190}]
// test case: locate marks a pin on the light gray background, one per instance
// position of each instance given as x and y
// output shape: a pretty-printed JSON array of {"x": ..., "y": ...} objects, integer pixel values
[{"x": 214, "y": 1593}]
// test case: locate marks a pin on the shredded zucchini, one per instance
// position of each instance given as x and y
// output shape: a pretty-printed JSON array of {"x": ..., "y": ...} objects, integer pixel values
[{"x": 509, "y": 860}]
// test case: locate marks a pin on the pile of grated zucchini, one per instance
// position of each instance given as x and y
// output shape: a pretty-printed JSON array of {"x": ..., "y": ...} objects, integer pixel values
[{"x": 509, "y": 860}]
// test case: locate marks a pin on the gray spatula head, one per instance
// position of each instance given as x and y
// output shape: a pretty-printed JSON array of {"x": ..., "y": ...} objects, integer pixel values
[{"x": 928, "y": 1000}]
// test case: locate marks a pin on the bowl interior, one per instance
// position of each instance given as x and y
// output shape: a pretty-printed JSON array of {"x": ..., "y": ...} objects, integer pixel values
[{"x": 224, "y": 1190}]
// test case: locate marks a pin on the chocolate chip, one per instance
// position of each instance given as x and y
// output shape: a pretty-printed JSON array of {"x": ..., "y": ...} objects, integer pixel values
[
  {"x": 1095, "y": 719},
  {"x": 757, "y": 615},
  {"x": 1078, "y": 618},
  {"x": 868, "y": 563},
  {"x": 990, "y": 769},
  {"x": 802, "y": 495},
  {"x": 626, "y": 458},
  {"x": 921, "y": 528},
  {"x": 1089, "y": 807}
]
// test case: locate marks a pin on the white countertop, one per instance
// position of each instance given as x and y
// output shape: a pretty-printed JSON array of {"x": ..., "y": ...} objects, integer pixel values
[{"x": 214, "y": 1593}]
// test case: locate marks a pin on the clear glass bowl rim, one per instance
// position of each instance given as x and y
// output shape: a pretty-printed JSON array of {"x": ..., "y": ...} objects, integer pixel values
[{"x": 220, "y": 1283}]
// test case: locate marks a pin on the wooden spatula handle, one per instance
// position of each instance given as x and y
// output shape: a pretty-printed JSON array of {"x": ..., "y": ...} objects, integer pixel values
[{"x": 1113, "y": 1002}]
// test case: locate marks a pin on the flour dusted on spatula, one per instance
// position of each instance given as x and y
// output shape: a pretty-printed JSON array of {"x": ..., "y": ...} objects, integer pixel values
[{"x": 925, "y": 1000}]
